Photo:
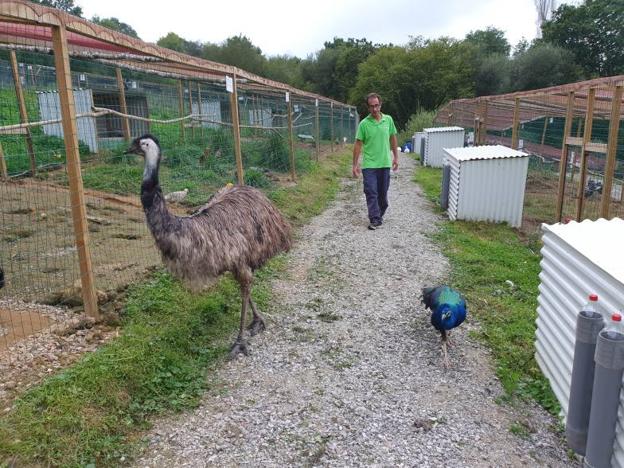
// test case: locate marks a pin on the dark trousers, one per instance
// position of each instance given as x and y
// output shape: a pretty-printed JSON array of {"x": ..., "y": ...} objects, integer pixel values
[{"x": 376, "y": 183}]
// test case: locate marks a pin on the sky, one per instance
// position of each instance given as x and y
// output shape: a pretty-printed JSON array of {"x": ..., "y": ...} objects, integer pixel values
[{"x": 296, "y": 28}]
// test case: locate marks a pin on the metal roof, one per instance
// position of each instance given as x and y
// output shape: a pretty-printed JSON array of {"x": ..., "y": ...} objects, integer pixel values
[
  {"x": 484, "y": 152},
  {"x": 598, "y": 241},
  {"x": 443, "y": 129}
]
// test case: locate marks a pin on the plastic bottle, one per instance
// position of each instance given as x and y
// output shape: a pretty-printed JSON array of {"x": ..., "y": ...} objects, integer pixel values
[
  {"x": 589, "y": 323},
  {"x": 613, "y": 329}
]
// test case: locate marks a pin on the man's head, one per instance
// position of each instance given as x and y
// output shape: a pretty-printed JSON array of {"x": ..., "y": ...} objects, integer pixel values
[{"x": 373, "y": 102}]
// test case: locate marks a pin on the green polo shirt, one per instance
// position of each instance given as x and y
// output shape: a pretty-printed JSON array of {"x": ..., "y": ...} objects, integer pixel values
[{"x": 375, "y": 137}]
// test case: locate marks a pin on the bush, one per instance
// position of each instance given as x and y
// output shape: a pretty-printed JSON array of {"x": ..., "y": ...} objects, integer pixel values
[{"x": 416, "y": 123}]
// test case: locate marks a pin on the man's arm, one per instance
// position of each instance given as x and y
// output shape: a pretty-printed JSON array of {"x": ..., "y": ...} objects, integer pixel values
[
  {"x": 395, "y": 153},
  {"x": 357, "y": 150}
]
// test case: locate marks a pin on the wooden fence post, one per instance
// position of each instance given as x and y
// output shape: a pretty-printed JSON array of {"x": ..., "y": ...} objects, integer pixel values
[
  {"x": 240, "y": 175},
  {"x": 291, "y": 144},
  {"x": 199, "y": 107},
  {"x": 3, "y": 167},
  {"x": 70, "y": 133},
  {"x": 123, "y": 107},
  {"x": 331, "y": 122},
  {"x": 21, "y": 101},
  {"x": 318, "y": 130},
  {"x": 614, "y": 128},
  {"x": 181, "y": 108},
  {"x": 190, "y": 96},
  {"x": 515, "y": 124},
  {"x": 483, "y": 124},
  {"x": 563, "y": 161},
  {"x": 589, "y": 121}
]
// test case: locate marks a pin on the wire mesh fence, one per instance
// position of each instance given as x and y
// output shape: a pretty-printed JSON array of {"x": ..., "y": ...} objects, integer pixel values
[
  {"x": 579, "y": 123},
  {"x": 122, "y": 89}
]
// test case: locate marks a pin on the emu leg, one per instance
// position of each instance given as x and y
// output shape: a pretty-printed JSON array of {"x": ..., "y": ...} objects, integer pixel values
[
  {"x": 240, "y": 345},
  {"x": 257, "y": 325}
]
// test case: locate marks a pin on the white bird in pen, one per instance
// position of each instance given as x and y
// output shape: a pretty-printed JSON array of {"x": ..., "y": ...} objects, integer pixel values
[{"x": 177, "y": 197}]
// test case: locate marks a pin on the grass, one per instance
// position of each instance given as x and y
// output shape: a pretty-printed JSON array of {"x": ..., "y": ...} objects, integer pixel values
[
  {"x": 95, "y": 412},
  {"x": 485, "y": 258}
]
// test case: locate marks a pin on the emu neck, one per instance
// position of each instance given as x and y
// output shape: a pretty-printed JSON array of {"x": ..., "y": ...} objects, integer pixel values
[{"x": 151, "y": 194}]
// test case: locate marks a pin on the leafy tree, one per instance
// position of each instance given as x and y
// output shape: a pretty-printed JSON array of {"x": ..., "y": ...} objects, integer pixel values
[
  {"x": 285, "y": 69},
  {"x": 489, "y": 41},
  {"x": 543, "y": 65},
  {"x": 593, "y": 32},
  {"x": 240, "y": 52},
  {"x": 65, "y": 5},
  {"x": 116, "y": 25},
  {"x": 492, "y": 75}
]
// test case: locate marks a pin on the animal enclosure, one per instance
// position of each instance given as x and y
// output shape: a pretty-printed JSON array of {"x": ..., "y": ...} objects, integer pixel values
[
  {"x": 573, "y": 136},
  {"x": 72, "y": 97}
]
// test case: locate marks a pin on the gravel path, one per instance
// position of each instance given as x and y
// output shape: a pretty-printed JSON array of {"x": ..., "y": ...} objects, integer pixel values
[{"x": 349, "y": 370}]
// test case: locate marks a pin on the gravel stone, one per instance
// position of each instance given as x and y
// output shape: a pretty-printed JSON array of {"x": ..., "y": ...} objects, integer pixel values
[{"x": 349, "y": 371}]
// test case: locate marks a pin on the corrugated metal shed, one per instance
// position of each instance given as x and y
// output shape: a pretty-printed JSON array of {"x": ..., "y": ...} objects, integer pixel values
[
  {"x": 487, "y": 183},
  {"x": 50, "y": 109},
  {"x": 577, "y": 259},
  {"x": 416, "y": 140},
  {"x": 438, "y": 138}
]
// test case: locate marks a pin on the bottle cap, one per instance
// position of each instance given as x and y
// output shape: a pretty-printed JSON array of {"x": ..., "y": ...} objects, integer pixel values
[
  {"x": 593, "y": 297},
  {"x": 616, "y": 317}
]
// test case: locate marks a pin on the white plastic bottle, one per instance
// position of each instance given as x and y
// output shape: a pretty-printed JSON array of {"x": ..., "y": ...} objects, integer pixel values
[
  {"x": 591, "y": 308},
  {"x": 613, "y": 329}
]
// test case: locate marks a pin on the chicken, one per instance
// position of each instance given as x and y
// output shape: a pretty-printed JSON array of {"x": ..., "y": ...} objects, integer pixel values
[
  {"x": 177, "y": 197},
  {"x": 448, "y": 310}
]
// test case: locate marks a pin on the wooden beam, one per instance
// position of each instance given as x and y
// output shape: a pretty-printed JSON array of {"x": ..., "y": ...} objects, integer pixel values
[
  {"x": 593, "y": 147},
  {"x": 563, "y": 161},
  {"x": 573, "y": 141},
  {"x": 240, "y": 175},
  {"x": 318, "y": 130},
  {"x": 23, "y": 112},
  {"x": 76, "y": 191},
  {"x": 544, "y": 129},
  {"x": 614, "y": 128},
  {"x": 515, "y": 123},
  {"x": 190, "y": 99},
  {"x": 291, "y": 143},
  {"x": 331, "y": 122},
  {"x": 3, "y": 167},
  {"x": 199, "y": 109},
  {"x": 589, "y": 121},
  {"x": 483, "y": 124},
  {"x": 181, "y": 108},
  {"x": 125, "y": 122}
]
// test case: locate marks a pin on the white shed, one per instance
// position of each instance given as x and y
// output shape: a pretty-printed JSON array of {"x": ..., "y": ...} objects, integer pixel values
[
  {"x": 578, "y": 259},
  {"x": 417, "y": 138},
  {"x": 487, "y": 183},
  {"x": 438, "y": 138}
]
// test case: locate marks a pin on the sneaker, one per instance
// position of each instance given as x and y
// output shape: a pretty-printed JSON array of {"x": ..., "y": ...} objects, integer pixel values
[{"x": 374, "y": 225}]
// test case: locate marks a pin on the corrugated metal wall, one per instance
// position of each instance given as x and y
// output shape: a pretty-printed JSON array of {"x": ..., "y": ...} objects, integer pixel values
[
  {"x": 416, "y": 139},
  {"x": 487, "y": 184},
  {"x": 50, "y": 109},
  {"x": 439, "y": 138},
  {"x": 577, "y": 259}
]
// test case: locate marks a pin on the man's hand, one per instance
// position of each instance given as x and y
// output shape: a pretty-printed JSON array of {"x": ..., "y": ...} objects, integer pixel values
[
  {"x": 356, "y": 171},
  {"x": 395, "y": 163}
]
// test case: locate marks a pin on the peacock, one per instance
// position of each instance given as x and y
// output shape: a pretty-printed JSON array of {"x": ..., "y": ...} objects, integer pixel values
[{"x": 448, "y": 310}]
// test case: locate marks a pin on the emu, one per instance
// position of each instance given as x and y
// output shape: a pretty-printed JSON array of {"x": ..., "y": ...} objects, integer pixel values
[{"x": 238, "y": 230}]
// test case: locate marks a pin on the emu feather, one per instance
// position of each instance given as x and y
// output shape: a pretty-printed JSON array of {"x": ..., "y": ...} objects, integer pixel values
[{"x": 238, "y": 230}]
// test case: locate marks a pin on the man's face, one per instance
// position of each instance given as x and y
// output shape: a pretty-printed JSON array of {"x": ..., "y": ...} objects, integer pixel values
[{"x": 374, "y": 107}]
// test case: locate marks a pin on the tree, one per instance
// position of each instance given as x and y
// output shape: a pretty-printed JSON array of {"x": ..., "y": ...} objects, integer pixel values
[
  {"x": 116, "y": 25},
  {"x": 240, "y": 52},
  {"x": 543, "y": 65},
  {"x": 593, "y": 32},
  {"x": 544, "y": 12},
  {"x": 489, "y": 41},
  {"x": 492, "y": 75},
  {"x": 174, "y": 42},
  {"x": 285, "y": 69},
  {"x": 65, "y": 5}
]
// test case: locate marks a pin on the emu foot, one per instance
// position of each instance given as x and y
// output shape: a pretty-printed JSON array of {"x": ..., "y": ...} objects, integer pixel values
[
  {"x": 256, "y": 326},
  {"x": 239, "y": 347}
]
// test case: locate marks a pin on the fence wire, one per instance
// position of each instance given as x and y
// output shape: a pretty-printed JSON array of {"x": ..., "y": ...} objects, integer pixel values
[{"x": 191, "y": 115}]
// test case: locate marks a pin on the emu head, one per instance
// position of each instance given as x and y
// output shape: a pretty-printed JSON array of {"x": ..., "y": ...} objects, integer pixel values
[{"x": 148, "y": 147}]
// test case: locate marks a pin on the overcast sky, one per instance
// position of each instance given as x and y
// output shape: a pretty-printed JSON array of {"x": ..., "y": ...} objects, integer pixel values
[{"x": 299, "y": 28}]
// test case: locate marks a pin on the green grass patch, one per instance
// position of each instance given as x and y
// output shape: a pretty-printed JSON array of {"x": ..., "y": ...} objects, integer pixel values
[
  {"x": 95, "y": 412},
  {"x": 498, "y": 273}
]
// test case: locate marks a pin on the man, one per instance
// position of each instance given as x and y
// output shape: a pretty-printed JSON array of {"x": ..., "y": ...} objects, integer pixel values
[{"x": 376, "y": 136}]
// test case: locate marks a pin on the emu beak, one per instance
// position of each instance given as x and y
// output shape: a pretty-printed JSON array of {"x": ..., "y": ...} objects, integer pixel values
[{"x": 135, "y": 148}]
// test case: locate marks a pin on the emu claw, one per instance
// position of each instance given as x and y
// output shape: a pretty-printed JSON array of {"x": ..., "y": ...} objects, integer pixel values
[
  {"x": 239, "y": 347},
  {"x": 256, "y": 326}
]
